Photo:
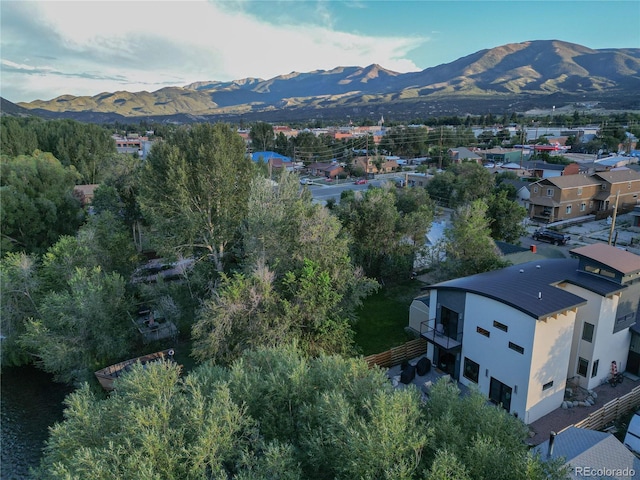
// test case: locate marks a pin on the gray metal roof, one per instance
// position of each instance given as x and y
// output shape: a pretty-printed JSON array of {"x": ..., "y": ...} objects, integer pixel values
[
  {"x": 593, "y": 449},
  {"x": 530, "y": 287}
]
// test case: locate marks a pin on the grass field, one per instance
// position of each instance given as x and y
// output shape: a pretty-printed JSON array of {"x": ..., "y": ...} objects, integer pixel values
[{"x": 384, "y": 316}]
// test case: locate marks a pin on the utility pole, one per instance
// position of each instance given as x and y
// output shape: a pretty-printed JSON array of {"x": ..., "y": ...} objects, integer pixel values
[
  {"x": 521, "y": 145},
  {"x": 613, "y": 220},
  {"x": 440, "y": 149}
]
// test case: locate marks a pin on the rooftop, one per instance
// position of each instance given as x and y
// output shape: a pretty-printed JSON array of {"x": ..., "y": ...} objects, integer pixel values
[
  {"x": 618, "y": 176},
  {"x": 590, "y": 448},
  {"x": 532, "y": 287},
  {"x": 620, "y": 260}
]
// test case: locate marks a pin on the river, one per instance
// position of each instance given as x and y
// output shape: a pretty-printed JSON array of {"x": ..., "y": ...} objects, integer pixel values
[{"x": 30, "y": 403}]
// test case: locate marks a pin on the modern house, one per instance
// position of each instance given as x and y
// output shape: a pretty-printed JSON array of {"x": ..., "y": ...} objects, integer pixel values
[{"x": 520, "y": 332}]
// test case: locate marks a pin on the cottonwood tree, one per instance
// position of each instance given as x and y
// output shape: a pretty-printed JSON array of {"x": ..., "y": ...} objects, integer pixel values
[
  {"x": 275, "y": 413},
  {"x": 244, "y": 312},
  {"x": 38, "y": 206},
  {"x": 81, "y": 328},
  {"x": 284, "y": 229},
  {"x": 255, "y": 310},
  {"x": 20, "y": 290},
  {"x": 469, "y": 247},
  {"x": 194, "y": 190},
  {"x": 262, "y": 136},
  {"x": 507, "y": 217},
  {"x": 388, "y": 229}
]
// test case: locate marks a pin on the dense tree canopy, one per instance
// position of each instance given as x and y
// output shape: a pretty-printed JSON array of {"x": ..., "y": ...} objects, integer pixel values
[
  {"x": 507, "y": 217},
  {"x": 262, "y": 136},
  {"x": 388, "y": 227},
  {"x": 36, "y": 193},
  {"x": 194, "y": 190},
  {"x": 469, "y": 246},
  {"x": 87, "y": 147},
  {"x": 20, "y": 296},
  {"x": 81, "y": 328},
  {"x": 276, "y": 414}
]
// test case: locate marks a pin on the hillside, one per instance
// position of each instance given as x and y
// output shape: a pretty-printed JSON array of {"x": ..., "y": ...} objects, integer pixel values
[{"x": 518, "y": 76}]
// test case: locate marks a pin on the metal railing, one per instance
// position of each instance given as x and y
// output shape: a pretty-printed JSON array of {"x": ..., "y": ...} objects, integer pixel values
[{"x": 437, "y": 335}]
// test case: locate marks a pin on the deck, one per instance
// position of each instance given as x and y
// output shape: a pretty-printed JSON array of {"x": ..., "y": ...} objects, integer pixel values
[{"x": 153, "y": 327}]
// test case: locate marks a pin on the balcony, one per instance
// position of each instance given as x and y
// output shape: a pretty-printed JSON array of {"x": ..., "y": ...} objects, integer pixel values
[{"x": 435, "y": 334}]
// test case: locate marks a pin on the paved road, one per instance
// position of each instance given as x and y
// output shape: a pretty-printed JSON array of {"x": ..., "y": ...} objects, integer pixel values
[{"x": 322, "y": 193}]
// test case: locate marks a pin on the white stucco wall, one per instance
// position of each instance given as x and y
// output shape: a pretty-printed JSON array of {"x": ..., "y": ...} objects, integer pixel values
[
  {"x": 606, "y": 345},
  {"x": 545, "y": 359},
  {"x": 493, "y": 354},
  {"x": 549, "y": 363}
]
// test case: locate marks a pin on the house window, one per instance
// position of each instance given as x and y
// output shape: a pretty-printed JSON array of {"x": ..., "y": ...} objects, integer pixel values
[
  {"x": 624, "y": 318},
  {"x": 484, "y": 332},
  {"x": 594, "y": 368},
  {"x": 583, "y": 207},
  {"x": 535, "y": 189},
  {"x": 629, "y": 186},
  {"x": 549, "y": 192},
  {"x": 587, "y": 332},
  {"x": 591, "y": 204},
  {"x": 603, "y": 186},
  {"x": 516, "y": 347},
  {"x": 471, "y": 370},
  {"x": 568, "y": 209},
  {"x": 547, "y": 385},
  {"x": 579, "y": 190},
  {"x": 500, "y": 326},
  {"x": 583, "y": 366}
]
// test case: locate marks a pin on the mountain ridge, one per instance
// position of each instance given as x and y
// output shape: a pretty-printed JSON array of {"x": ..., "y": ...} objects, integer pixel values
[{"x": 516, "y": 73}]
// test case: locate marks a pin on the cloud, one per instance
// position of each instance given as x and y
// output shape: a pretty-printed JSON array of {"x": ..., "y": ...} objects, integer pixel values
[{"x": 148, "y": 45}]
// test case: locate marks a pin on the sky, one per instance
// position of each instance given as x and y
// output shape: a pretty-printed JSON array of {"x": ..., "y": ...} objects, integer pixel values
[{"x": 50, "y": 48}]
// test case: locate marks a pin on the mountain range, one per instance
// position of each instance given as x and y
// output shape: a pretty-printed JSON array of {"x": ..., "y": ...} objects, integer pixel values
[{"x": 513, "y": 77}]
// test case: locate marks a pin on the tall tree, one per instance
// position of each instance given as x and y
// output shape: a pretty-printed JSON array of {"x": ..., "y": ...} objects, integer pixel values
[
  {"x": 20, "y": 291},
  {"x": 262, "y": 137},
  {"x": 284, "y": 229},
  {"x": 81, "y": 328},
  {"x": 194, "y": 190},
  {"x": 469, "y": 247},
  {"x": 38, "y": 206},
  {"x": 507, "y": 217}
]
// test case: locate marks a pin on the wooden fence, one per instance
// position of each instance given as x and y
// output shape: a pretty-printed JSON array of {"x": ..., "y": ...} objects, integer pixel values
[
  {"x": 611, "y": 411},
  {"x": 397, "y": 355}
]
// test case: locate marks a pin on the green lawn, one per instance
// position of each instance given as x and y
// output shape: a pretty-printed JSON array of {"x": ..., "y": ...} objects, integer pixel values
[{"x": 384, "y": 316}]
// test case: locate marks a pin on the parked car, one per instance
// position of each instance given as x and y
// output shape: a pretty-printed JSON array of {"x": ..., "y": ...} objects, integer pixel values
[
  {"x": 632, "y": 438},
  {"x": 550, "y": 236},
  {"x": 361, "y": 181},
  {"x": 305, "y": 181}
]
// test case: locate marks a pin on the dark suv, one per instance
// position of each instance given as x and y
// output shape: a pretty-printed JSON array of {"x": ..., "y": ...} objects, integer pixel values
[{"x": 552, "y": 237}]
